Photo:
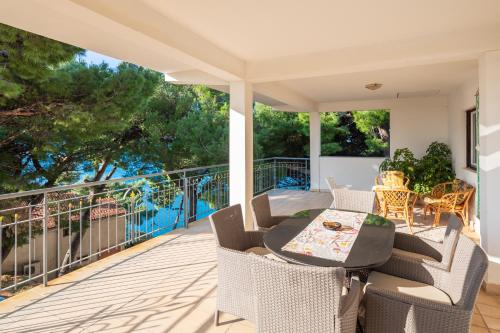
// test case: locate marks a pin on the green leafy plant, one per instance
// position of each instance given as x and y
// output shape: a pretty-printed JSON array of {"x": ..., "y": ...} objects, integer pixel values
[
  {"x": 435, "y": 167},
  {"x": 403, "y": 160}
]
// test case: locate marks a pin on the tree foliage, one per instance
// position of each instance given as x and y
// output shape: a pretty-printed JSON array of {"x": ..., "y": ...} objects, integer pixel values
[
  {"x": 280, "y": 133},
  {"x": 61, "y": 117},
  {"x": 27, "y": 61},
  {"x": 355, "y": 133}
]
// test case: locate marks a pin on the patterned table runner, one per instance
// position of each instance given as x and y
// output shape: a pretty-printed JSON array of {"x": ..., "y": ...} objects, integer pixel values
[{"x": 317, "y": 241}]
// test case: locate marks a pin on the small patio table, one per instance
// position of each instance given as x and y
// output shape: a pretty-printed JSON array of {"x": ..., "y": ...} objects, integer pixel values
[{"x": 371, "y": 248}]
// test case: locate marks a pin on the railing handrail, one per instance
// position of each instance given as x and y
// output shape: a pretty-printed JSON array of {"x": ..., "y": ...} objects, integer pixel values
[{"x": 125, "y": 179}]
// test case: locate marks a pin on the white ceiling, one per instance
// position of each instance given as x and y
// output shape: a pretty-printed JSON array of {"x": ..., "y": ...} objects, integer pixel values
[
  {"x": 263, "y": 29},
  {"x": 298, "y": 54},
  {"x": 417, "y": 81}
]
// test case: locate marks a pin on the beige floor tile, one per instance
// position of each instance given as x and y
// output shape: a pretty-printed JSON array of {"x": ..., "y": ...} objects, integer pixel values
[
  {"x": 488, "y": 310},
  {"x": 487, "y": 299},
  {"x": 241, "y": 328},
  {"x": 492, "y": 323},
  {"x": 478, "y": 329},
  {"x": 477, "y": 320}
]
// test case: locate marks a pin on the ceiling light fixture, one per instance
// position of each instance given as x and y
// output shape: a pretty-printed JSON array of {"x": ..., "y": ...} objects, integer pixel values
[{"x": 373, "y": 86}]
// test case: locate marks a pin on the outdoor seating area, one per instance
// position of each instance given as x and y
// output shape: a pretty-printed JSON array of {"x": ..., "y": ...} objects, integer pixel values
[
  {"x": 393, "y": 197},
  {"x": 232, "y": 166},
  {"x": 316, "y": 258},
  {"x": 173, "y": 293}
]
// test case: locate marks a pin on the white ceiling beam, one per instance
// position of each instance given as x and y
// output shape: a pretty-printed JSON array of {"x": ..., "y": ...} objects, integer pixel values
[
  {"x": 193, "y": 76},
  {"x": 117, "y": 31},
  {"x": 455, "y": 46},
  {"x": 286, "y": 96},
  {"x": 185, "y": 46}
]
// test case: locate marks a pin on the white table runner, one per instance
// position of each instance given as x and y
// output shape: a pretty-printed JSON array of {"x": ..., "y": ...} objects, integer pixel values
[{"x": 317, "y": 241}]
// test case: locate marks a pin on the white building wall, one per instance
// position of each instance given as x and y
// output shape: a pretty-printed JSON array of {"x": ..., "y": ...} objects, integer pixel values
[
  {"x": 354, "y": 172},
  {"x": 459, "y": 101},
  {"x": 489, "y": 162},
  {"x": 415, "y": 123}
]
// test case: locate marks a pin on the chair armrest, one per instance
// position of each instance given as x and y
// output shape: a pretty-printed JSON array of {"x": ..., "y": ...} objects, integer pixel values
[
  {"x": 372, "y": 291},
  {"x": 350, "y": 303},
  {"x": 416, "y": 244},
  {"x": 255, "y": 237},
  {"x": 279, "y": 218},
  {"x": 425, "y": 271}
]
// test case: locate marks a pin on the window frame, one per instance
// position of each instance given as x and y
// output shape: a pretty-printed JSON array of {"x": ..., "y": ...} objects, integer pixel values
[{"x": 471, "y": 138}]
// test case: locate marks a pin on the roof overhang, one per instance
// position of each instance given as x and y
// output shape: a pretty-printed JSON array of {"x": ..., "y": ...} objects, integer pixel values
[{"x": 293, "y": 54}]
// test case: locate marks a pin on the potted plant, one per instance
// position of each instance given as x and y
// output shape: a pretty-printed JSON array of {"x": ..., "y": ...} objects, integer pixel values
[{"x": 433, "y": 168}]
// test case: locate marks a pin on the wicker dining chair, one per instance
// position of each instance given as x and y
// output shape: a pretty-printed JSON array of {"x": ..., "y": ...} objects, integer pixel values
[
  {"x": 332, "y": 185},
  {"x": 449, "y": 197},
  {"x": 361, "y": 201},
  {"x": 431, "y": 300},
  {"x": 330, "y": 182},
  {"x": 261, "y": 213},
  {"x": 234, "y": 244},
  {"x": 303, "y": 299},
  {"x": 379, "y": 198},
  {"x": 412, "y": 255},
  {"x": 399, "y": 201},
  {"x": 392, "y": 179}
]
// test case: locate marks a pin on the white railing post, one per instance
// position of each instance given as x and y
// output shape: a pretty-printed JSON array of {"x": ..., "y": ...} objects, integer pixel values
[{"x": 46, "y": 216}]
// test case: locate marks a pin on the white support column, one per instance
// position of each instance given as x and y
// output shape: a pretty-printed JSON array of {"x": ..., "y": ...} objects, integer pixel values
[
  {"x": 241, "y": 148},
  {"x": 314, "y": 149},
  {"x": 489, "y": 162}
]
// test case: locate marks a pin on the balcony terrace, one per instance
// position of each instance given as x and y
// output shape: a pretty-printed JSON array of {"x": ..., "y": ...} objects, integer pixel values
[
  {"x": 434, "y": 65},
  {"x": 165, "y": 284}
]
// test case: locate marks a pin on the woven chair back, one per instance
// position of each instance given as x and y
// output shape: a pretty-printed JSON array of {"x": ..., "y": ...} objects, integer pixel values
[
  {"x": 296, "y": 298},
  {"x": 261, "y": 211},
  {"x": 228, "y": 228},
  {"x": 330, "y": 181},
  {"x": 467, "y": 272},
  {"x": 361, "y": 201},
  {"x": 397, "y": 198}
]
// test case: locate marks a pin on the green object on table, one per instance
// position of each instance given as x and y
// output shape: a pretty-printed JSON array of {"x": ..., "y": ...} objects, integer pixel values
[
  {"x": 303, "y": 213},
  {"x": 377, "y": 220}
]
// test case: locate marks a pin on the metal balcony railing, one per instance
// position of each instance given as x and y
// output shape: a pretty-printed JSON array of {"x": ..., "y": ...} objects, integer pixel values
[{"x": 48, "y": 232}]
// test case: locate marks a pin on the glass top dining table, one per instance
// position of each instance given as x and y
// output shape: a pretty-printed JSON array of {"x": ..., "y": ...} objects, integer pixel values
[{"x": 371, "y": 248}]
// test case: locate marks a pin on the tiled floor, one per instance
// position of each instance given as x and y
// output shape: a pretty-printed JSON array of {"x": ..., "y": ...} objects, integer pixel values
[{"x": 166, "y": 284}]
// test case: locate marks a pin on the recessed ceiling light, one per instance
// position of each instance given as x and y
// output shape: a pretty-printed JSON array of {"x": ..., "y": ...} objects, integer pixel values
[{"x": 373, "y": 86}]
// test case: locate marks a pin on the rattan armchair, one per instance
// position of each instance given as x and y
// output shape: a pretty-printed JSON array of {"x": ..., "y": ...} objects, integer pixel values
[
  {"x": 398, "y": 201},
  {"x": 302, "y": 299},
  {"x": 234, "y": 245},
  {"x": 392, "y": 179},
  {"x": 450, "y": 197},
  {"x": 433, "y": 301},
  {"x": 361, "y": 201},
  {"x": 261, "y": 212}
]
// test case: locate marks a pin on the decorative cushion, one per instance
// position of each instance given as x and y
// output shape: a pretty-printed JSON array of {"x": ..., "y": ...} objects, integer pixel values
[
  {"x": 402, "y": 253},
  {"x": 408, "y": 287}
]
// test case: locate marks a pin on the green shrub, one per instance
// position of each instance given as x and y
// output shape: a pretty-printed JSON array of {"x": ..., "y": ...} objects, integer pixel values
[
  {"x": 403, "y": 160},
  {"x": 434, "y": 168}
]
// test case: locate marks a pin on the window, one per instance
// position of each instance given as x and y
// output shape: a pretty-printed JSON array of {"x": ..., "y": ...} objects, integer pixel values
[
  {"x": 355, "y": 133},
  {"x": 472, "y": 138}
]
